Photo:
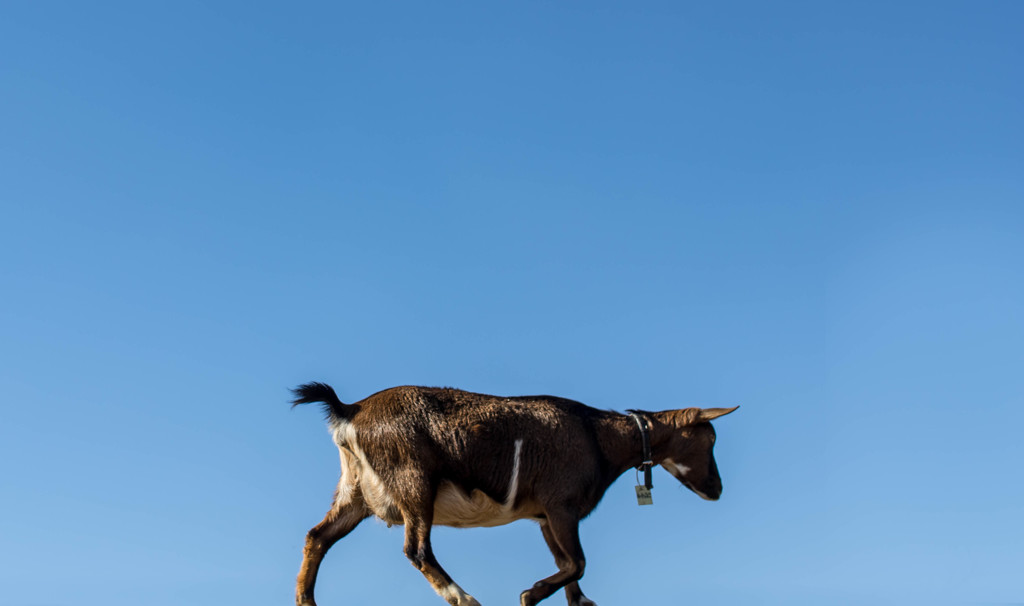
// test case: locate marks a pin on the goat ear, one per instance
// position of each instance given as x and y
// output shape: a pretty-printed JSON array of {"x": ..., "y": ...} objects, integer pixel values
[
  {"x": 685, "y": 416},
  {"x": 707, "y": 414}
]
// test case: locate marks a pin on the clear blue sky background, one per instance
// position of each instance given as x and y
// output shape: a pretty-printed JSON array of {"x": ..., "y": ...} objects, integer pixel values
[{"x": 813, "y": 211}]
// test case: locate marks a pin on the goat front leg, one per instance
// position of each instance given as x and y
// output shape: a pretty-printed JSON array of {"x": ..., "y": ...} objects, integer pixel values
[
  {"x": 564, "y": 531},
  {"x": 340, "y": 521},
  {"x": 418, "y": 519},
  {"x": 573, "y": 593}
]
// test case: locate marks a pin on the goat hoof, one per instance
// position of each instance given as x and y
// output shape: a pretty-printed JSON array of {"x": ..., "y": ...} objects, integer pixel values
[{"x": 525, "y": 599}]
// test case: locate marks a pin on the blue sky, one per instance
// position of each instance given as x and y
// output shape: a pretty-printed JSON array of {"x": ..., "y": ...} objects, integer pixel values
[{"x": 809, "y": 210}]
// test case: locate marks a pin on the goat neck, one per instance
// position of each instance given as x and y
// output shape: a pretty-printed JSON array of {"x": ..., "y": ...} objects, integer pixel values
[{"x": 622, "y": 444}]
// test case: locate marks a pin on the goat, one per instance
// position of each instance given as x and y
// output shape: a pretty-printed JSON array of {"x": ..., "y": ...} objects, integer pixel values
[{"x": 420, "y": 456}]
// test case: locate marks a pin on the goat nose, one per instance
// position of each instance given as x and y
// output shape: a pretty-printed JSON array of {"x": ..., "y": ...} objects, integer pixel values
[{"x": 712, "y": 494}]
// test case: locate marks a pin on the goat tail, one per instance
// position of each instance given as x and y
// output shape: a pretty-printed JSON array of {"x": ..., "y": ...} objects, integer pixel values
[{"x": 321, "y": 392}]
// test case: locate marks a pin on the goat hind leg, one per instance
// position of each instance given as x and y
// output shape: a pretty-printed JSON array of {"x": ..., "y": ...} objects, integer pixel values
[
  {"x": 339, "y": 522},
  {"x": 573, "y": 593}
]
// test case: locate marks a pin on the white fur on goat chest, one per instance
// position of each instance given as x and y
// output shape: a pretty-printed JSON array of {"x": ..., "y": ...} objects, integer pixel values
[{"x": 452, "y": 506}]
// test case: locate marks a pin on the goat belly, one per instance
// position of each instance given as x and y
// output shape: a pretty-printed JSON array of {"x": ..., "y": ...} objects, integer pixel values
[{"x": 453, "y": 507}]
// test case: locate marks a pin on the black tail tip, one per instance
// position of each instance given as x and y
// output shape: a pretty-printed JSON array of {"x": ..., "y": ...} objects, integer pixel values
[{"x": 314, "y": 392}]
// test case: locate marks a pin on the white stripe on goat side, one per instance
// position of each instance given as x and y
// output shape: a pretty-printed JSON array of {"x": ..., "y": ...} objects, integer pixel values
[
  {"x": 514, "y": 484},
  {"x": 453, "y": 507}
]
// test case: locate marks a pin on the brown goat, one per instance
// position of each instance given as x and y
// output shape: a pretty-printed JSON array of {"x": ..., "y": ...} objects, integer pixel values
[{"x": 420, "y": 456}]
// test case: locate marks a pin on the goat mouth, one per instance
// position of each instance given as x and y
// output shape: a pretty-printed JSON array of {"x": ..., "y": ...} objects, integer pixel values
[{"x": 700, "y": 494}]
